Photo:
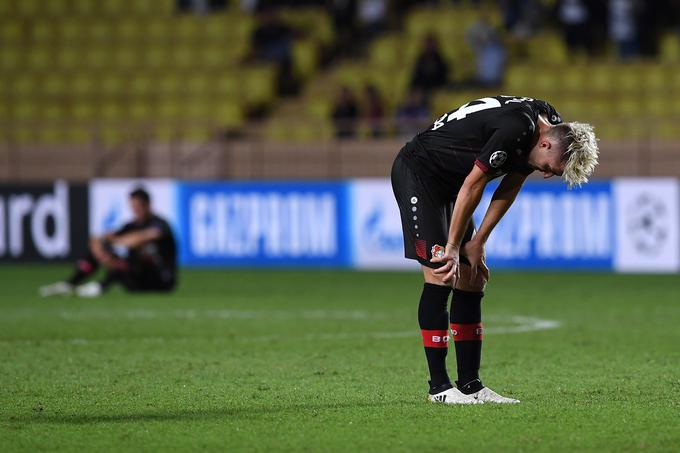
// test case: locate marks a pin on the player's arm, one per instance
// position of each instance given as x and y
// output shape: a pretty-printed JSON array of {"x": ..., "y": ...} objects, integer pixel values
[
  {"x": 502, "y": 199},
  {"x": 467, "y": 200},
  {"x": 136, "y": 239}
]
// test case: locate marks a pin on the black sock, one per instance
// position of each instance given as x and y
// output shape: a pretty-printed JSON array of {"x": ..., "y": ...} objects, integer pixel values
[
  {"x": 467, "y": 329},
  {"x": 433, "y": 320},
  {"x": 85, "y": 267}
]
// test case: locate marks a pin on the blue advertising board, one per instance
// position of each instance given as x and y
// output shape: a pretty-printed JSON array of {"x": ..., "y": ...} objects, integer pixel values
[
  {"x": 276, "y": 224},
  {"x": 549, "y": 226}
]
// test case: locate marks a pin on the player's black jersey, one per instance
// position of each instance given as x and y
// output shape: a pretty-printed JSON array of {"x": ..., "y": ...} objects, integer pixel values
[
  {"x": 494, "y": 133},
  {"x": 161, "y": 253}
]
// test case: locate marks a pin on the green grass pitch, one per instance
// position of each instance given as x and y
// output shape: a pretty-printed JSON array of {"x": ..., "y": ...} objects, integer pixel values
[{"x": 332, "y": 361}]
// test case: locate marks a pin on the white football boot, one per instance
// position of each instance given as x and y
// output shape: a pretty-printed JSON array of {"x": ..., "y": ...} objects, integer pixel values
[
  {"x": 453, "y": 396},
  {"x": 56, "y": 289},
  {"x": 486, "y": 395},
  {"x": 92, "y": 289}
]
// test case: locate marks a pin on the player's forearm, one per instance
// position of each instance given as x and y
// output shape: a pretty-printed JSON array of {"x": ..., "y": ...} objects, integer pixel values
[
  {"x": 501, "y": 201},
  {"x": 130, "y": 240},
  {"x": 466, "y": 203}
]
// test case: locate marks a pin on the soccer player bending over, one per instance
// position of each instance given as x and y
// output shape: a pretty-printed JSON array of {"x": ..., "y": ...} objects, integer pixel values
[
  {"x": 149, "y": 265},
  {"x": 438, "y": 179}
]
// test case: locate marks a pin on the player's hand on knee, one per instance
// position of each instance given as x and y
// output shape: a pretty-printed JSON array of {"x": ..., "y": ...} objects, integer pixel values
[
  {"x": 474, "y": 252},
  {"x": 450, "y": 270}
]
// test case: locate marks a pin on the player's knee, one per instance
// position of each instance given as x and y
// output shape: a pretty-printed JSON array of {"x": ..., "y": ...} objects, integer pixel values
[
  {"x": 466, "y": 283},
  {"x": 431, "y": 277}
]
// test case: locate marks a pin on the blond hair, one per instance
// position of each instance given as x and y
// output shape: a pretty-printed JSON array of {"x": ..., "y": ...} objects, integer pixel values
[{"x": 579, "y": 144}]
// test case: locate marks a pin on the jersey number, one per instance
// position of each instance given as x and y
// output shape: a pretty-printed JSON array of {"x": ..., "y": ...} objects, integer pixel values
[{"x": 466, "y": 109}]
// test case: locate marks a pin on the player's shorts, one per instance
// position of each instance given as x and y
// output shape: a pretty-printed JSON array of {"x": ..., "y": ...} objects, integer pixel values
[
  {"x": 146, "y": 278},
  {"x": 425, "y": 216}
]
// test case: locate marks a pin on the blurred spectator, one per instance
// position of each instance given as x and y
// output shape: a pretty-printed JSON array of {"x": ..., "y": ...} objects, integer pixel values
[
  {"x": 623, "y": 27},
  {"x": 344, "y": 23},
  {"x": 345, "y": 114},
  {"x": 372, "y": 17},
  {"x": 201, "y": 6},
  {"x": 373, "y": 111},
  {"x": 574, "y": 16},
  {"x": 272, "y": 38},
  {"x": 431, "y": 70},
  {"x": 521, "y": 17},
  {"x": 489, "y": 51},
  {"x": 272, "y": 42},
  {"x": 413, "y": 114}
]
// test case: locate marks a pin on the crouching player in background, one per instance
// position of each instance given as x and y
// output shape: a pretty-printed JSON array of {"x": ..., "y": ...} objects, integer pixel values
[
  {"x": 438, "y": 180},
  {"x": 149, "y": 265}
]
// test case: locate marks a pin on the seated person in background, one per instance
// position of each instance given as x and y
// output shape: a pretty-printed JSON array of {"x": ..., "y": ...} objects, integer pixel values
[
  {"x": 345, "y": 114},
  {"x": 413, "y": 115},
  {"x": 373, "y": 110},
  {"x": 489, "y": 50},
  {"x": 150, "y": 264},
  {"x": 431, "y": 70}
]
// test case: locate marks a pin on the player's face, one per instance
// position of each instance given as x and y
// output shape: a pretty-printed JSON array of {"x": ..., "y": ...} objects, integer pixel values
[
  {"x": 140, "y": 209},
  {"x": 547, "y": 159}
]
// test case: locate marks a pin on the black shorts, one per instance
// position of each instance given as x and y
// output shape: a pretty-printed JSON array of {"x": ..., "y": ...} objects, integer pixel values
[
  {"x": 146, "y": 278},
  {"x": 425, "y": 216}
]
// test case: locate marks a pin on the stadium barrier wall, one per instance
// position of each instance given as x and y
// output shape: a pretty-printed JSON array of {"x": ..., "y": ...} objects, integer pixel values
[{"x": 626, "y": 224}]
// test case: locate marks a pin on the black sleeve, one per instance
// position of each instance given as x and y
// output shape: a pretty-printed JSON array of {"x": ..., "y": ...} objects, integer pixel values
[
  {"x": 124, "y": 229},
  {"x": 499, "y": 154}
]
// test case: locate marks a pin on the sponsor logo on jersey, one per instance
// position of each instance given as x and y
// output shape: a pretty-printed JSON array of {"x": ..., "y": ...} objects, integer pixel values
[{"x": 498, "y": 158}]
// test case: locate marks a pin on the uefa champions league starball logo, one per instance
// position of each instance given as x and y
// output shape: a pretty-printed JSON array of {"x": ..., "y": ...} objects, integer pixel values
[
  {"x": 498, "y": 158},
  {"x": 648, "y": 223}
]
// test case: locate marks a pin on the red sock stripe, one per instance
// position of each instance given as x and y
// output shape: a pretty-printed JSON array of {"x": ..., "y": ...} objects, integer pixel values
[
  {"x": 435, "y": 338},
  {"x": 468, "y": 332},
  {"x": 84, "y": 266}
]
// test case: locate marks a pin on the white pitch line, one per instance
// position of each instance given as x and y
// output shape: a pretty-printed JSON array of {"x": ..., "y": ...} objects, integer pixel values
[{"x": 518, "y": 324}]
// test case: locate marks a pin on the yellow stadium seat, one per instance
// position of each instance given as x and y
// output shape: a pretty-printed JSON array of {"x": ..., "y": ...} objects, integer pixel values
[
  {"x": 130, "y": 29},
  {"x": 11, "y": 32},
  {"x": 169, "y": 84},
  {"x": 319, "y": 108},
  {"x": 155, "y": 57},
  {"x": 228, "y": 86},
  {"x": 140, "y": 111},
  {"x": 387, "y": 52},
  {"x": 169, "y": 109},
  {"x": 84, "y": 112},
  {"x": 158, "y": 29},
  {"x": 55, "y": 85},
  {"x": 97, "y": 58},
  {"x": 126, "y": 59},
  {"x": 85, "y": 7},
  {"x": 25, "y": 87},
  {"x": 43, "y": 31},
  {"x": 518, "y": 79},
  {"x": 53, "y": 112},
  {"x": 188, "y": 28},
  {"x": 573, "y": 78},
  {"x": 198, "y": 84},
  {"x": 229, "y": 115},
  {"x": 548, "y": 48},
  {"x": 39, "y": 58},
  {"x": 30, "y": 8},
  {"x": 111, "y": 112},
  {"x": 628, "y": 79},
  {"x": 670, "y": 48},
  {"x": 214, "y": 57},
  {"x": 83, "y": 85},
  {"x": 26, "y": 111},
  {"x": 100, "y": 32},
  {"x": 258, "y": 85},
  {"x": 183, "y": 57},
  {"x": 655, "y": 79},
  {"x": 68, "y": 58},
  {"x": 72, "y": 31},
  {"x": 57, "y": 8},
  {"x": 600, "y": 78},
  {"x": 112, "y": 84},
  {"x": 305, "y": 58},
  {"x": 141, "y": 85}
]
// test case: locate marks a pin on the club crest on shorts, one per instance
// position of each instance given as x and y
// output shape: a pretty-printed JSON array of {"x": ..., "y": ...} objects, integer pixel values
[
  {"x": 438, "y": 251},
  {"x": 498, "y": 158}
]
